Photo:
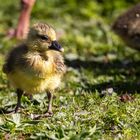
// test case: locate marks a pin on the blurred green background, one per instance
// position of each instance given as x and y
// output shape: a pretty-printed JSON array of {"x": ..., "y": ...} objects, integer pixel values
[{"x": 100, "y": 69}]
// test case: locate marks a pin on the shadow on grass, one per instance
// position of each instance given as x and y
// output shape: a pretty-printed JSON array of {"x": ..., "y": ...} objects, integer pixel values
[
  {"x": 118, "y": 87},
  {"x": 130, "y": 70}
]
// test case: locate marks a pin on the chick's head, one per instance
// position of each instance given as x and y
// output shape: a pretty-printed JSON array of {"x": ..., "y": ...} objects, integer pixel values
[{"x": 42, "y": 37}]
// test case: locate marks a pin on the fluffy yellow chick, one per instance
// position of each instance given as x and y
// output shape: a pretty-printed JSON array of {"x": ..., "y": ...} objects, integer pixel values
[{"x": 36, "y": 65}]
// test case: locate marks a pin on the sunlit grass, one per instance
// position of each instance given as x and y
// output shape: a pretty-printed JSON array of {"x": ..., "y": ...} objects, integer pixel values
[{"x": 100, "y": 68}]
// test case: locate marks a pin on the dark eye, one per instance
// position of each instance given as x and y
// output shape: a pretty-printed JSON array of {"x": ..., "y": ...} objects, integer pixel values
[{"x": 43, "y": 37}]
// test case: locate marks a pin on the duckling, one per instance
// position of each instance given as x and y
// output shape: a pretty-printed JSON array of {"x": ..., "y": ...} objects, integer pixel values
[
  {"x": 127, "y": 26},
  {"x": 36, "y": 65}
]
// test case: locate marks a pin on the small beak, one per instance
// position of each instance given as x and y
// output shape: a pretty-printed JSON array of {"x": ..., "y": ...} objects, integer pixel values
[{"x": 56, "y": 46}]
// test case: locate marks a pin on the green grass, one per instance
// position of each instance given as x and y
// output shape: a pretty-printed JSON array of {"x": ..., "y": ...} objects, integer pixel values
[{"x": 97, "y": 62}]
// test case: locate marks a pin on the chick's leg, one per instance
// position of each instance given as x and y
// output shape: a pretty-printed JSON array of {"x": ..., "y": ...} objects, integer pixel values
[
  {"x": 50, "y": 98},
  {"x": 19, "y": 95},
  {"x": 49, "y": 112}
]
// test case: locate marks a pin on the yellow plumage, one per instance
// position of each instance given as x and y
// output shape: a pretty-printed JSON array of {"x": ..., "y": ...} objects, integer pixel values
[{"x": 39, "y": 75}]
